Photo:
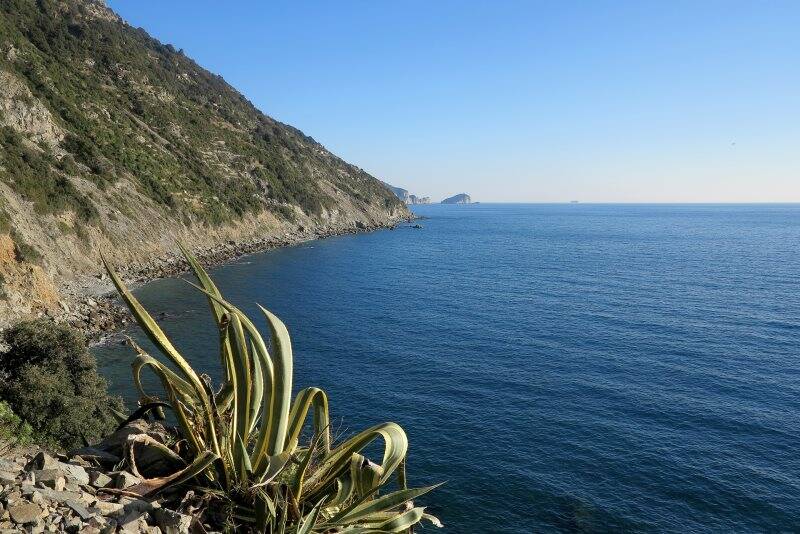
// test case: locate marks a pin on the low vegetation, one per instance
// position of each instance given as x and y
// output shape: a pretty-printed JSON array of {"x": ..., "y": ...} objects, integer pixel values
[
  {"x": 245, "y": 440},
  {"x": 13, "y": 430},
  {"x": 49, "y": 380},
  {"x": 32, "y": 173}
]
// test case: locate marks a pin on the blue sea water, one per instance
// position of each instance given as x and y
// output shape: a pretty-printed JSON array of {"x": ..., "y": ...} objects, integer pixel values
[{"x": 575, "y": 368}]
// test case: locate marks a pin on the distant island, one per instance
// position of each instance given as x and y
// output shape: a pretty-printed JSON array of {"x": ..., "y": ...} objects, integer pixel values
[
  {"x": 406, "y": 197},
  {"x": 461, "y": 198}
]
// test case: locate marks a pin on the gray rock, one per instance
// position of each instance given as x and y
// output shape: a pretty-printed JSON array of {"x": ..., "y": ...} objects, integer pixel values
[
  {"x": 8, "y": 465},
  {"x": 137, "y": 505},
  {"x": 42, "y": 460},
  {"x": 99, "y": 479},
  {"x": 107, "y": 508},
  {"x": 7, "y": 477},
  {"x": 53, "y": 495},
  {"x": 134, "y": 522},
  {"x": 79, "y": 509},
  {"x": 126, "y": 480},
  {"x": 50, "y": 478},
  {"x": 75, "y": 472},
  {"x": 25, "y": 513},
  {"x": 93, "y": 453},
  {"x": 172, "y": 522}
]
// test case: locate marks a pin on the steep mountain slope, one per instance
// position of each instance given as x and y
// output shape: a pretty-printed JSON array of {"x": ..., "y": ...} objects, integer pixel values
[{"x": 112, "y": 141}]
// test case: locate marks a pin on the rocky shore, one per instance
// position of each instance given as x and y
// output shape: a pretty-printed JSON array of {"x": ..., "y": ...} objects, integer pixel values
[{"x": 91, "y": 305}]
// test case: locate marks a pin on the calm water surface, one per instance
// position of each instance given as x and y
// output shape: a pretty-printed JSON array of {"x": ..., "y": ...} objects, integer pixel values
[{"x": 562, "y": 367}]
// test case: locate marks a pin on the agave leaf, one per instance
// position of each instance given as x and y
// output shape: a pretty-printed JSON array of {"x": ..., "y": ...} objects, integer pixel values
[
  {"x": 273, "y": 467},
  {"x": 160, "y": 340},
  {"x": 403, "y": 521},
  {"x": 366, "y": 475},
  {"x": 265, "y": 511},
  {"x": 217, "y": 310},
  {"x": 395, "y": 448},
  {"x": 173, "y": 394},
  {"x": 307, "y": 524},
  {"x": 259, "y": 455},
  {"x": 299, "y": 476},
  {"x": 245, "y": 468},
  {"x": 396, "y": 523},
  {"x": 433, "y": 520},
  {"x": 240, "y": 379},
  {"x": 258, "y": 387},
  {"x": 281, "y": 384},
  {"x": 202, "y": 462},
  {"x": 155, "y": 446},
  {"x": 344, "y": 490},
  {"x": 145, "y": 360},
  {"x": 363, "y": 511},
  {"x": 284, "y": 506},
  {"x": 304, "y": 400},
  {"x": 153, "y": 331}
]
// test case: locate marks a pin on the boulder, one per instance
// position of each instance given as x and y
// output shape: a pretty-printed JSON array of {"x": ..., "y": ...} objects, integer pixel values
[
  {"x": 75, "y": 473},
  {"x": 50, "y": 478},
  {"x": 25, "y": 513},
  {"x": 42, "y": 460}
]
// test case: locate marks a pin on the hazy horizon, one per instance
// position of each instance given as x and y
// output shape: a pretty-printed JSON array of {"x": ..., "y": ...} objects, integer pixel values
[{"x": 521, "y": 102}]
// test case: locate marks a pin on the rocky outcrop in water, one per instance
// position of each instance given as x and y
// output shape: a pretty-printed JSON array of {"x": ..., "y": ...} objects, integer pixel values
[
  {"x": 461, "y": 198},
  {"x": 407, "y": 197}
]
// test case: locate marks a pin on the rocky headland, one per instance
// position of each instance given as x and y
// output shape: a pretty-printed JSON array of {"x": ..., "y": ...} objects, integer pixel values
[{"x": 461, "y": 198}]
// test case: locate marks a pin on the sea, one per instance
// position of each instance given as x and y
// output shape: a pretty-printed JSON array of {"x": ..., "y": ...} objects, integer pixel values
[{"x": 560, "y": 367}]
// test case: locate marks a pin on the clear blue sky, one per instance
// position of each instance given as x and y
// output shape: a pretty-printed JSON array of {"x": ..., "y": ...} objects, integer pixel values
[{"x": 521, "y": 101}]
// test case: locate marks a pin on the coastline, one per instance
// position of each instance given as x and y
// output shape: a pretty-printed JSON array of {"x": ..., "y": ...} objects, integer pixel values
[{"x": 91, "y": 303}]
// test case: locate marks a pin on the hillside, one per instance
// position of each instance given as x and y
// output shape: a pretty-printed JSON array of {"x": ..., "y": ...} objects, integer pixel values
[{"x": 112, "y": 141}]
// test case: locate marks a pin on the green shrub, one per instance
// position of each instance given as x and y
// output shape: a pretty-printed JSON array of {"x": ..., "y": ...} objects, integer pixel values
[
  {"x": 23, "y": 251},
  {"x": 5, "y": 221},
  {"x": 50, "y": 380},
  {"x": 13, "y": 430},
  {"x": 30, "y": 173}
]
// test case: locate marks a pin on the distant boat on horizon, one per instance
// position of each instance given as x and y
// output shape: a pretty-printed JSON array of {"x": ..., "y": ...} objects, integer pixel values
[{"x": 573, "y": 202}]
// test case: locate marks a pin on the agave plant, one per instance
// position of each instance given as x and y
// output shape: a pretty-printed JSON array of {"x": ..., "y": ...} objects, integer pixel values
[{"x": 244, "y": 437}]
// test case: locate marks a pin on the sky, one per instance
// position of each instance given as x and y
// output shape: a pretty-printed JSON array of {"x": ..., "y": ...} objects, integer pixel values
[{"x": 520, "y": 101}]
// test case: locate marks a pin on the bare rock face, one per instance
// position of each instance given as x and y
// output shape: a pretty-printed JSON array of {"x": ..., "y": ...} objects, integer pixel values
[{"x": 24, "y": 113}]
